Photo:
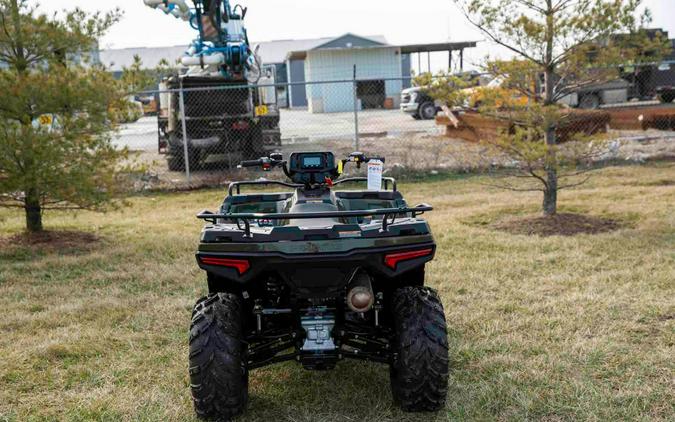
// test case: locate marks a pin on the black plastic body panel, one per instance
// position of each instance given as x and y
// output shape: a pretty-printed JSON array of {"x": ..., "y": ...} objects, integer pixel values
[{"x": 319, "y": 274}]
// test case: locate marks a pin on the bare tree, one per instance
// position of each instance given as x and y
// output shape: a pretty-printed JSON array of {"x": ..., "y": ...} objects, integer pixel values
[{"x": 560, "y": 46}]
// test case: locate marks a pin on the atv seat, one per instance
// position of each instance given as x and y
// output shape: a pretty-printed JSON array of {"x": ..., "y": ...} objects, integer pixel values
[{"x": 313, "y": 222}]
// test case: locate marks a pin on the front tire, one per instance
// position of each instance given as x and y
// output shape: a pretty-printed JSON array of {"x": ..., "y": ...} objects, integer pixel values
[
  {"x": 427, "y": 110},
  {"x": 419, "y": 371},
  {"x": 218, "y": 372}
]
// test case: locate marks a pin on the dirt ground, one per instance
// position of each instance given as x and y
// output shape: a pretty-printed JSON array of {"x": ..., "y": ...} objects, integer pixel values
[
  {"x": 50, "y": 241},
  {"x": 563, "y": 224}
]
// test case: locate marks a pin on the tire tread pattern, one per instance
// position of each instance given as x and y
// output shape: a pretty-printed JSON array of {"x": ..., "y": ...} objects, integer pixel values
[
  {"x": 218, "y": 373},
  {"x": 419, "y": 371}
]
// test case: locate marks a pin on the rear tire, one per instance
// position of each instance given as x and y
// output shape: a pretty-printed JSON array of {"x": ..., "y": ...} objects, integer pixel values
[
  {"x": 419, "y": 371},
  {"x": 176, "y": 159},
  {"x": 175, "y": 163},
  {"x": 255, "y": 147},
  {"x": 667, "y": 98},
  {"x": 589, "y": 102},
  {"x": 218, "y": 373}
]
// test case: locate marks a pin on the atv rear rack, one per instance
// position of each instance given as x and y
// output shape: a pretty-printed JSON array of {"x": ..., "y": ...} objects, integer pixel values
[{"x": 389, "y": 214}]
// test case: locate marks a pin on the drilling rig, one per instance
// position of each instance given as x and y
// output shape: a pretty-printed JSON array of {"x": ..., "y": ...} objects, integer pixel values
[{"x": 224, "y": 101}]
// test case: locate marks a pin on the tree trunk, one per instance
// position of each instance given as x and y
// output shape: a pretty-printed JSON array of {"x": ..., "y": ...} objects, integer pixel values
[
  {"x": 551, "y": 190},
  {"x": 551, "y": 167},
  {"x": 551, "y": 193},
  {"x": 33, "y": 211}
]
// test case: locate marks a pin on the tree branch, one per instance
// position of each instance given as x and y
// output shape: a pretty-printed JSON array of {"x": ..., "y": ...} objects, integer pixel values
[
  {"x": 574, "y": 184},
  {"x": 495, "y": 39},
  {"x": 511, "y": 188},
  {"x": 531, "y": 6}
]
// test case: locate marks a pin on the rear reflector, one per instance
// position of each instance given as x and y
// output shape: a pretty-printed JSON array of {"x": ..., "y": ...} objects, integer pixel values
[
  {"x": 240, "y": 125},
  {"x": 240, "y": 265},
  {"x": 393, "y": 259}
]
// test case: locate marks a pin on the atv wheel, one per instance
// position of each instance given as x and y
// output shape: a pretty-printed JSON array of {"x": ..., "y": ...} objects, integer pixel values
[
  {"x": 218, "y": 373},
  {"x": 419, "y": 371}
]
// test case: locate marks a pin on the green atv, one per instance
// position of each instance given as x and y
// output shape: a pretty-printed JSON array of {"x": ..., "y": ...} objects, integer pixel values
[{"x": 316, "y": 275}]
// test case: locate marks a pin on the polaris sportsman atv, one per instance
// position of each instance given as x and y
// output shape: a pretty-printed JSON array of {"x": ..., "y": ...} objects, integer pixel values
[{"x": 316, "y": 275}]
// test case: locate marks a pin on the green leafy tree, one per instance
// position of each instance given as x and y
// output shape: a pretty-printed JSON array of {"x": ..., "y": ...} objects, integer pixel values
[
  {"x": 57, "y": 112},
  {"x": 559, "y": 47},
  {"x": 135, "y": 78}
]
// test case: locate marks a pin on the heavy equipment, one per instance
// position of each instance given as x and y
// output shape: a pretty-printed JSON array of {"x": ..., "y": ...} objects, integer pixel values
[
  {"x": 316, "y": 274},
  {"x": 224, "y": 102}
]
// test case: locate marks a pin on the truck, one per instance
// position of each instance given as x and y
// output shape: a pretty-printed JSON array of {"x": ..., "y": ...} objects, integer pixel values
[
  {"x": 644, "y": 82},
  {"x": 225, "y": 104},
  {"x": 221, "y": 119}
]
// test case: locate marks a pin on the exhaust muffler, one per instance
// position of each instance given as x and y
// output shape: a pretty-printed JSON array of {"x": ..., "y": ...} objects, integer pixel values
[{"x": 360, "y": 296}]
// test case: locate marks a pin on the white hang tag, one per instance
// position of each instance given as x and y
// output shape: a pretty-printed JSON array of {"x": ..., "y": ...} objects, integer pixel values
[{"x": 375, "y": 169}]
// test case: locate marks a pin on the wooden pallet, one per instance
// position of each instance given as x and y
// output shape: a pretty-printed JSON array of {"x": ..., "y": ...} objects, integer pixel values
[
  {"x": 475, "y": 127},
  {"x": 642, "y": 118}
]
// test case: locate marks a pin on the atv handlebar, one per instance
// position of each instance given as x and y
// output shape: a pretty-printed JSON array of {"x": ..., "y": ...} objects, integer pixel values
[
  {"x": 324, "y": 172},
  {"x": 267, "y": 163},
  {"x": 251, "y": 163}
]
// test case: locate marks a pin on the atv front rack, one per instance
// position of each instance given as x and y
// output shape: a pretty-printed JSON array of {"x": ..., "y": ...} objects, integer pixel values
[
  {"x": 262, "y": 182},
  {"x": 236, "y": 186},
  {"x": 385, "y": 180},
  {"x": 389, "y": 216}
]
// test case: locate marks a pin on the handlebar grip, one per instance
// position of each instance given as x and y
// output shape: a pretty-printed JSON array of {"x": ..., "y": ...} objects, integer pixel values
[{"x": 251, "y": 163}]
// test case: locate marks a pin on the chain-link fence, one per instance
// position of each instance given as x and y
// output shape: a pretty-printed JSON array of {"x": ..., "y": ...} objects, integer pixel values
[{"x": 195, "y": 131}]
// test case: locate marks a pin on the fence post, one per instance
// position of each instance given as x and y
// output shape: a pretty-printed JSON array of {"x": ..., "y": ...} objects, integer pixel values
[
  {"x": 356, "y": 113},
  {"x": 186, "y": 155}
]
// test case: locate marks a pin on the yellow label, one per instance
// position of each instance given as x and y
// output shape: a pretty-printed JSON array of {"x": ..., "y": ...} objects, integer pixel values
[
  {"x": 261, "y": 110},
  {"x": 45, "y": 120},
  {"x": 340, "y": 167}
]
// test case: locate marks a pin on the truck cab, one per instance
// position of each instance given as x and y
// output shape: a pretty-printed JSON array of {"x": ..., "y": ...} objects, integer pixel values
[{"x": 417, "y": 102}]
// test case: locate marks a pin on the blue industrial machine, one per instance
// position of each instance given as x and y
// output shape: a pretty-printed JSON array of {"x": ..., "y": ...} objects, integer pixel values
[
  {"x": 222, "y": 43},
  {"x": 237, "y": 117}
]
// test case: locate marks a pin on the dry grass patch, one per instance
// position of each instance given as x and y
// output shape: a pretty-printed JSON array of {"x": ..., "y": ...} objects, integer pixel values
[{"x": 540, "y": 328}]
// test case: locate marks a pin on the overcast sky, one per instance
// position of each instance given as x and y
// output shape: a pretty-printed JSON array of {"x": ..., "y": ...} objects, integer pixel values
[{"x": 400, "y": 21}]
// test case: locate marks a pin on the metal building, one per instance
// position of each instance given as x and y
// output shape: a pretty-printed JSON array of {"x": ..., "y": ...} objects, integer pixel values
[
  {"x": 378, "y": 71},
  {"x": 382, "y": 70}
]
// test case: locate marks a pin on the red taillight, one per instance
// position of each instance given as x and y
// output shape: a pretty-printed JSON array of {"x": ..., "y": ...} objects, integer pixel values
[
  {"x": 393, "y": 259},
  {"x": 240, "y": 125},
  {"x": 240, "y": 265}
]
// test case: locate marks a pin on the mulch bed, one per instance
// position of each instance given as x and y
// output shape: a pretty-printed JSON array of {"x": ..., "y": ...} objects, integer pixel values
[
  {"x": 50, "y": 241},
  {"x": 558, "y": 225}
]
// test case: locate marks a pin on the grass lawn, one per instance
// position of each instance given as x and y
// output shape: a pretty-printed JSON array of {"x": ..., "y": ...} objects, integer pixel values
[{"x": 545, "y": 328}]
